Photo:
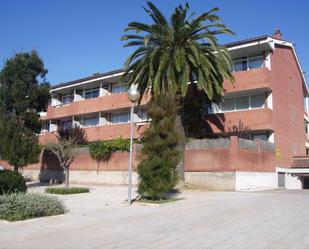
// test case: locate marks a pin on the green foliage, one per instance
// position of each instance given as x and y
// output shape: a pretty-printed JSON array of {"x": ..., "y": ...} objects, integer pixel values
[
  {"x": 66, "y": 191},
  {"x": 76, "y": 134},
  {"x": 20, "y": 90},
  {"x": 157, "y": 172},
  {"x": 174, "y": 52},
  {"x": 102, "y": 150},
  {"x": 12, "y": 182},
  {"x": 20, "y": 145},
  {"x": 22, "y": 97},
  {"x": 26, "y": 206}
]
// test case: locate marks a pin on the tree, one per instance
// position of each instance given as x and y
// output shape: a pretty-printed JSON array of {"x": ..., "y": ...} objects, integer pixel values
[
  {"x": 76, "y": 134},
  {"x": 157, "y": 172},
  {"x": 171, "y": 55},
  {"x": 22, "y": 97},
  {"x": 64, "y": 151}
]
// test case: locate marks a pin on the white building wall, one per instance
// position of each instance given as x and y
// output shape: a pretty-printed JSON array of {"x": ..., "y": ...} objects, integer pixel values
[{"x": 255, "y": 180}]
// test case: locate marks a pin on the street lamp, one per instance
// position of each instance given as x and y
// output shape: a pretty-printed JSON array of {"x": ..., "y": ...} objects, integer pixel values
[{"x": 133, "y": 95}]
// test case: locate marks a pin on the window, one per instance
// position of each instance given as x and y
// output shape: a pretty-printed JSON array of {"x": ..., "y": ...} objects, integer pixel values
[
  {"x": 258, "y": 101},
  {"x": 248, "y": 63},
  {"x": 240, "y": 65},
  {"x": 256, "y": 62},
  {"x": 119, "y": 118},
  {"x": 119, "y": 88},
  {"x": 66, "y": 99},
  {"x": 228, "y": 105},
  {"x": 142, "y": 114},
  {"x": 260, "y": 136},
  {"x": 242, "y": 103},
  {"x": 93, "y": 93},
  {"x": 88, "y": 122},
  {"x": 65, "y": 124}
]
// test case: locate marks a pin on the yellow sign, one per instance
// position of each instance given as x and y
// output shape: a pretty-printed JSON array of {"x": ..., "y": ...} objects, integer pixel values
[{"x": 278, "y": 154}]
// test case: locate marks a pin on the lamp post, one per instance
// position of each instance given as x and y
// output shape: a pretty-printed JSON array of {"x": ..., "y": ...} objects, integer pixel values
[{"x": 134, "y": 96}]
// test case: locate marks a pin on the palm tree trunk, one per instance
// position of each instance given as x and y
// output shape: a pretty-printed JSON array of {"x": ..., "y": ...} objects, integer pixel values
[{"x": 66, "y": 179}]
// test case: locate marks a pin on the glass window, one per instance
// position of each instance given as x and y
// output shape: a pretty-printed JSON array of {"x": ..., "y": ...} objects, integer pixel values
[
  {"x": 119, "y": 88},
  {"x": 87, "y": 122},
  {"x": 87, "y": 95},
  {"x": 142, "y": 114},
  {"x": 79, "y": 92},
  {"x": 256, "y": 62},
  {"x": 228, "y": 105},
  {"x": 66, "y": 99},
  {"x": 240, "y": 65},
  {"x": 118, "y": 118},
  {"x": 258, "y": 101},
  {"x": 94, "y": 93},
  {"x": 65, "y": 124},
  {"x": 242, "y": 103},
  {"x": 260, "y": 136}
]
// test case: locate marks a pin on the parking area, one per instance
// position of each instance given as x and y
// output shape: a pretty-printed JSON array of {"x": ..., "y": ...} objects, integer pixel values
[{"x": 102, "y": 219}]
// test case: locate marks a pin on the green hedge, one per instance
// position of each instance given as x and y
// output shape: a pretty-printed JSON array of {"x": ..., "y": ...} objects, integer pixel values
[
  {"x": 66, "y": 191},
  {"x": 11, "y": 182},
  {"x": 19, "y": 206}
]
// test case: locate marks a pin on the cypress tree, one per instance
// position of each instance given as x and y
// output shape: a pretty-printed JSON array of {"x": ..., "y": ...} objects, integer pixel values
[{"x": 158, "y": 171}]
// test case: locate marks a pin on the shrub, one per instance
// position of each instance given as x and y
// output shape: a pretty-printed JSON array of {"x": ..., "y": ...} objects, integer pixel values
[
  {"x": 102, "y": 150},
  {"x": 157, "y": 172},
  {"x": 19, "y": 206},
  {"x": 11, "y": 182},
  {"x": 66, "y": 191},
  {"x": 76, "y": 134}
]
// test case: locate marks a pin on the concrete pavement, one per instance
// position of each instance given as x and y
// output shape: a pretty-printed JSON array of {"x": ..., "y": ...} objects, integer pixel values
[{"x": 101, "y": 219}]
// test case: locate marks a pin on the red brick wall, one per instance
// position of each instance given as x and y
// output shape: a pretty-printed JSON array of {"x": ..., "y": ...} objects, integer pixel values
[
  {"x": 288, "y": 103},
  {"x": 230, "y": 159}
]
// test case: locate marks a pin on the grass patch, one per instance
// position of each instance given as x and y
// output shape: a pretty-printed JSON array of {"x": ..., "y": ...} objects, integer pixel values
[
  {"x": 26, "y": 206},
  {"x": 66, "y": 191},
  {"x": 162, "y": 201}
]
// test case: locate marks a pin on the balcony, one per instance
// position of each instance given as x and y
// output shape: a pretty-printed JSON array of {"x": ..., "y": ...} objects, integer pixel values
[
  {"x": 100, "y": 104},
  {"x": 239, "y": 121},
  {"x": 258, "y": 78},
  {"x": 105, "y": 132}
]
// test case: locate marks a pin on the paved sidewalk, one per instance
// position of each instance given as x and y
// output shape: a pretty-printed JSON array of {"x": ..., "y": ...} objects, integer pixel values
[{"x": 101, "y": 219}]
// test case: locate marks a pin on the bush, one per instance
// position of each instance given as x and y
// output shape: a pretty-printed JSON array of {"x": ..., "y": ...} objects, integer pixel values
[
  {"x": 157, "y": 172},
  {"x": 102, "y": 150},
  {"x": 76, "y": 134},
  {"x": 26, "y": 206},
  {"x": 12, "y": 182},
  {"x": 66, "y": 191}
]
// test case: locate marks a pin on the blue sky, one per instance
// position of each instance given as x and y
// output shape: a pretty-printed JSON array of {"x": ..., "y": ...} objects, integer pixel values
[{"x": 79, "y": 38}]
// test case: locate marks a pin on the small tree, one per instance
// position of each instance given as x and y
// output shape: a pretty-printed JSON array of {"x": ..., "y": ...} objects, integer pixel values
[
  {"x": 64, "y": 151},
  {"x": 157, "y": 172}
]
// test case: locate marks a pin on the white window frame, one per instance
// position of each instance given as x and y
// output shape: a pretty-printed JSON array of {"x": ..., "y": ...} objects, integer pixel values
[
  {"x": 119, "y": 113},
  {"x": 91, "y": 90},
  {"x": 114, "y": 85},
  {"x": 234, "y": 103},
  {"x": 67, "y": 95},
  {"x": 247, "y": 58}
]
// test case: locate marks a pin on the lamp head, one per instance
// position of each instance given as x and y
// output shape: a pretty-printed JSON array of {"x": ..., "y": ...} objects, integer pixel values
[{"x": 133, "y": 95}]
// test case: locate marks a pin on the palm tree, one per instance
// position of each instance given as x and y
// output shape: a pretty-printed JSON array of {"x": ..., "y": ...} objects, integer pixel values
[{"x": 171, "y": 55}]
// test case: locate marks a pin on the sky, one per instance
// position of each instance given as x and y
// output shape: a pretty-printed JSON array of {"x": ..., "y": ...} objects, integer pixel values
[{"x": 78, "y": 38}]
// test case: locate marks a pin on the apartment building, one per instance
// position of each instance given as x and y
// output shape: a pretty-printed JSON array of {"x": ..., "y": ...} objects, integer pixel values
[{"x": 267, "y": 103}]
